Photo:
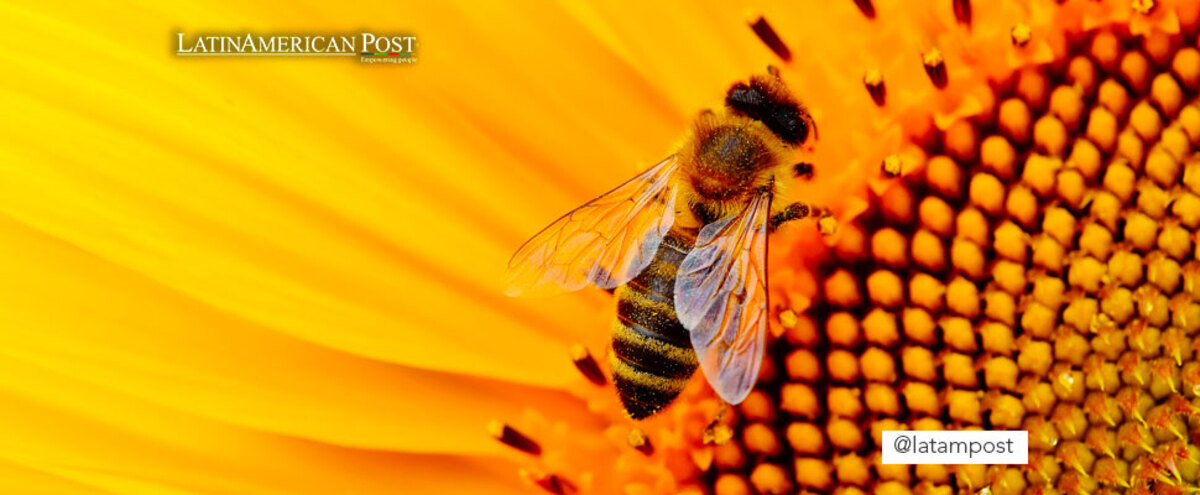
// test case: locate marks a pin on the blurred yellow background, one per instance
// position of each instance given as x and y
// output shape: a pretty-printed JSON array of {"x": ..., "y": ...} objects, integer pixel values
[{"x": 281, "y": 275}]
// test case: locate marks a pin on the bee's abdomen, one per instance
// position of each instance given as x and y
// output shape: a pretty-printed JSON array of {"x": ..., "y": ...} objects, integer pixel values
[{"x": 652, "y": 357}]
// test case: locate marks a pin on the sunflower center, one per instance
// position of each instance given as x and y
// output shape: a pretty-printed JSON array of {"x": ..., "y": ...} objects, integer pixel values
[{"x": 1039, "y": 271}]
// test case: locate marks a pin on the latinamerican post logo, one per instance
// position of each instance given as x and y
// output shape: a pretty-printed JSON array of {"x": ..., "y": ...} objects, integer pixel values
[{"x": 371, "y": 48}]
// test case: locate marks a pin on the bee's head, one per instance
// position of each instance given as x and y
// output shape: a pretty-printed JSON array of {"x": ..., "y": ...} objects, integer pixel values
[{"x": 767, "y": 100}]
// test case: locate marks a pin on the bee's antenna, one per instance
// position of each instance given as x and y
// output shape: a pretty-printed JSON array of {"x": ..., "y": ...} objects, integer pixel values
[{"x": 812, "y": 124}]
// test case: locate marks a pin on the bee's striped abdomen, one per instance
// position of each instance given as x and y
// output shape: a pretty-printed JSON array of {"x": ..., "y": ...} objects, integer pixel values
[{"x": 652, "y": 357}]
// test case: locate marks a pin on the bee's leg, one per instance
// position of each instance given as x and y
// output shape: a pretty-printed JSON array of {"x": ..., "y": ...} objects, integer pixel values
[
  {"x": 803, "y": 170},
  {"x": 794, "y": 211}
]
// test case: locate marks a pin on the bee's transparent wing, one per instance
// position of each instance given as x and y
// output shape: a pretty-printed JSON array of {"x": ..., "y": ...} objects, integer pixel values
[
  {"x": 605, "y": 242},
  {"x": 721, "y": 298}
]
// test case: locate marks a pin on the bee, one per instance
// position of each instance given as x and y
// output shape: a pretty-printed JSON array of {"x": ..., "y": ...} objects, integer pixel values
[{"x": 684, "y": 245}]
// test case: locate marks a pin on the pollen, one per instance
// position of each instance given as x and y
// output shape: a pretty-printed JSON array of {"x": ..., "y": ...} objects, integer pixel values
[
  {"x": 638, "y": 440},
  {"x": 873, "y": 80},
  {"x": 935, "y": 67},
  {"x": 1021, "y": 34}
]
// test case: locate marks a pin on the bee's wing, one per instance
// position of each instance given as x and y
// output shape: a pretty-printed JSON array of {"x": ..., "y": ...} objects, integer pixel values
[
  {"x": 605, "y": 242},
  {"x": 721, "y": 298}
]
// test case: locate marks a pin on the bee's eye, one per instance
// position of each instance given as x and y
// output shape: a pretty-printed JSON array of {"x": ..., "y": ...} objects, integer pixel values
[{"x": 803, "y": 170}]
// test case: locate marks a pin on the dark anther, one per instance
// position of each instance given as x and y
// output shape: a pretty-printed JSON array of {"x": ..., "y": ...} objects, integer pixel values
[
  {"x": 587, "y": 365},
  {"x": 867, "y": 8},
  {"x": 873, "y": 80},
  {"x": 935, "y": 67},
  {"x": 962, "y": 12},
  {"x": 513, "y": 438},
  {"x": 638, "y": 440},
  {"x": 769, "y": 37},
  {"x": 552, "y": 483}
]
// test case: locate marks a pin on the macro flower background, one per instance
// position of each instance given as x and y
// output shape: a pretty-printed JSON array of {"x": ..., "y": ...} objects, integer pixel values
[{"x": 257, "y": 276}]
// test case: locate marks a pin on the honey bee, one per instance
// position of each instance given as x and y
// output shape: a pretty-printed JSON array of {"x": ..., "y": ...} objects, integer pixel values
[{"x": 684, "y": 245}]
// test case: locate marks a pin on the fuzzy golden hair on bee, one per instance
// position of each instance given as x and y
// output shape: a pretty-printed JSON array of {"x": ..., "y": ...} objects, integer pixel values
[{"x": 727, "y": 156}]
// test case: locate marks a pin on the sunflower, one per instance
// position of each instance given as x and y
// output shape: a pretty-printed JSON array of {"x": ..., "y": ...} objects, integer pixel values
[{"x": 283, "y": 276}]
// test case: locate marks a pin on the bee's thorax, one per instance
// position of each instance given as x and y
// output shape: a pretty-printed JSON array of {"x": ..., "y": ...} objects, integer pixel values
[{"x": 728, "y": 159}]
